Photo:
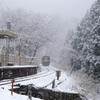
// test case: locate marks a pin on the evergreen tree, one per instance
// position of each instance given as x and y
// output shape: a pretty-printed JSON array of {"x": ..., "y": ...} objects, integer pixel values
[{"x": 87, "y": 41}]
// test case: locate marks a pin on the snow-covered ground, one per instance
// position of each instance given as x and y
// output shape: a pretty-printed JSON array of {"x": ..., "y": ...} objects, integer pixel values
[
  {"x": 6, "y": 95},
  {"x": 67, "y": 85},
  {"x": 85, "y": 85}
]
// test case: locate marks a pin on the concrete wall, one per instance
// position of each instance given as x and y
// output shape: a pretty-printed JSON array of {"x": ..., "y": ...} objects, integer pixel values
[{"x": 46, "y": 94}]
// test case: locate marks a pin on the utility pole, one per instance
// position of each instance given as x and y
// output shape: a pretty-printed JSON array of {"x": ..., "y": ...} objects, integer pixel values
[{"x": 19, "y": 53}]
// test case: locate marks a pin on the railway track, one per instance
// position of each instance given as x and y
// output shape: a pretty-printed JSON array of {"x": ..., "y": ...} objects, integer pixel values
[{"x": 47, "y": 72}]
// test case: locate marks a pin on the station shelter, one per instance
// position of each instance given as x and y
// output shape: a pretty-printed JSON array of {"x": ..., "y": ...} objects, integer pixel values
[{"x": 6, "y": 38}]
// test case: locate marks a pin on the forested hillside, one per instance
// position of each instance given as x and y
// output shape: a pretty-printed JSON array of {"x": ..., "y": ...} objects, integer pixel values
[{"x": 86, "y": 42}]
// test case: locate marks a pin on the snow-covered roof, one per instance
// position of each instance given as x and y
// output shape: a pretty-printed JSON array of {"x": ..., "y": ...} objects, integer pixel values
[
  {"x": 17, "y": 66},
  {"x": 7, "y": 34}
]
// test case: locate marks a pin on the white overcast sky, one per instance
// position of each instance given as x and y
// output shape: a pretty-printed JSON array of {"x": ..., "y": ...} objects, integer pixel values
[{"x": 66, "y": 9}]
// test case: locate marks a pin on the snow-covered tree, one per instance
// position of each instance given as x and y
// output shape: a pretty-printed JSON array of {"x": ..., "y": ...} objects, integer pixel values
[
  {"x": 67, "y": 52},
  {"x": 87, "y": 41},
  {"x": 34, "y": 30}
]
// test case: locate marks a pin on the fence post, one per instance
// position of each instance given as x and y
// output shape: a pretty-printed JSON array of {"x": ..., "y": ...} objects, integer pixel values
[
  {"x": 30, "y": 91},
  {"x": 58, "y": 74},
  {"x": 53, "y": 84}
]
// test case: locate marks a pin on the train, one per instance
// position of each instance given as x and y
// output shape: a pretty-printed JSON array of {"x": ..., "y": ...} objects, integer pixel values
[
  {"x": 45, "y": 61},
  {"x": 9, "y": 72}
]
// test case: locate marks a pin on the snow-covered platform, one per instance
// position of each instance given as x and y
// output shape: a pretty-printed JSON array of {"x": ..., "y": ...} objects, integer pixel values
[
  {"x": 18, "y": 66},
  {"x": 8, "y": 72}
]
